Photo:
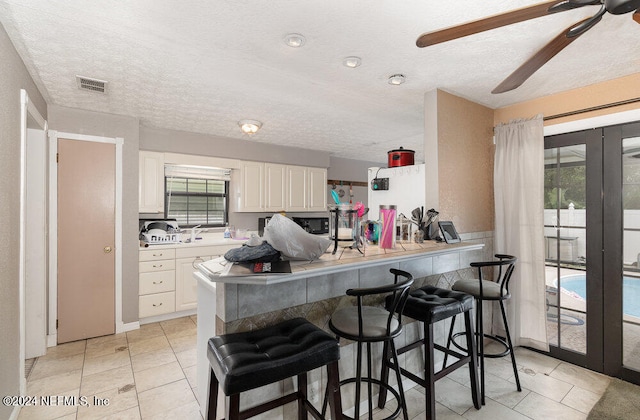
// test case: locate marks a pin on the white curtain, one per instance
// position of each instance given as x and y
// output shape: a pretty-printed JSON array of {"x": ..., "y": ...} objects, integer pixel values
[{"x": 519, "y": 227}]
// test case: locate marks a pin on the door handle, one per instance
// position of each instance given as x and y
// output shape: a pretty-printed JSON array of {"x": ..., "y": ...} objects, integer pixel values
[{"x": 107, "y": 249}]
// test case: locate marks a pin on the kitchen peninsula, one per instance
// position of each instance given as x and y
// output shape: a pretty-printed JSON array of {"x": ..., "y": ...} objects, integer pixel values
[{"x": 314, "y": 290}]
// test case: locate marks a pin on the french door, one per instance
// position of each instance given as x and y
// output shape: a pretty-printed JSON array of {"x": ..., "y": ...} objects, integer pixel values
[{"x": 592, "y": 239}]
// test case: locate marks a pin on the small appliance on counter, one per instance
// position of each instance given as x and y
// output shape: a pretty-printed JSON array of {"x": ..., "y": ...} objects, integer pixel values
[
  {"x": 161, "y": 231},
  {"x": 314, "y": 225}
]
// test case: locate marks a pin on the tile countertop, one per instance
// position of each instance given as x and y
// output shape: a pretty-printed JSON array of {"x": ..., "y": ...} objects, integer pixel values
[{"x": 343, "y": 260}]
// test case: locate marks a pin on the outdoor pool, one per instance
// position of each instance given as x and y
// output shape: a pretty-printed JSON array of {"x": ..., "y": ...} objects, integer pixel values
[{"x": 630, "y": 294}]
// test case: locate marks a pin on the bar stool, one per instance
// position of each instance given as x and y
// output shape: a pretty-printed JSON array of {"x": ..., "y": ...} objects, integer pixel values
[
  {"x": 491, "y": 290},
  {"x": 370, "y": 324},
  {"x": 429, "y": 305},
  {"x": 244, "y": 361}
]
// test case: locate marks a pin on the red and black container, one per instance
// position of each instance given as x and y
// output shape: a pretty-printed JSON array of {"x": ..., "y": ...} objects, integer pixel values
[{"x": 400, "y": 157}]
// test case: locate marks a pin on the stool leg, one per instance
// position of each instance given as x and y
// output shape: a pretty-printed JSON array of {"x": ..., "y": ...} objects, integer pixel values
[
  {"x": 302, "y": 396},
  {"x": 384, "y": 376},
  {"x": 233, "y": 407},
  {"x": 473, "y": 359},
  {"x": 429, "y": 371},
  {"x": 358, "y": 379},
  {"x": 403, "y": 401},
  {"x": 449, "y": 339},
  {"x": 513, "y": 356},
  {"x": 480, "y": 346},
  {"x": 213, "y": 397},
  {"x": 369, "y": 384},
  {"x": 333, "y": 391}
]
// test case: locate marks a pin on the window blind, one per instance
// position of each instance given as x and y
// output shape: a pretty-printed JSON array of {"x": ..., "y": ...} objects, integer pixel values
[{"x": 200, "y": 172}]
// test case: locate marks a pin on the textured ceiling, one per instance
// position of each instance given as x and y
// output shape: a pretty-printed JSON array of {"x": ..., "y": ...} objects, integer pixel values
[{"x": 202, "y": 66}]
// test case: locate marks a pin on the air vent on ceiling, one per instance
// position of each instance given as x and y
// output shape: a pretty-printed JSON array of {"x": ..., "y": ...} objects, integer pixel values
[{"x": 93, "y": 85}]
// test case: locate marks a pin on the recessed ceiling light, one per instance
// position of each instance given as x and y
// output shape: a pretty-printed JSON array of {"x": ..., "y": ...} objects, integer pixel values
[
  {"x": 352, "y": 62},
  {"x": 294, "y": 40},
  {"x": 249, "y": 127},
  {"x": 397, "y": 79}
]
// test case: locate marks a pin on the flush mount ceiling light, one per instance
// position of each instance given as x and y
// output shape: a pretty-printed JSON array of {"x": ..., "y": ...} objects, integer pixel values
[
  {"x": 397, "y": 79},
  {"x": 249, "y": 127},
  {"x": 294, "y": 40},
  {"x": 352, "y": 62}
]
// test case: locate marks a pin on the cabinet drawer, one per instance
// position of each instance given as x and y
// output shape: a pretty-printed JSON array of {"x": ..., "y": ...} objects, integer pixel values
[
  {"x": 157, "y": 304},
  {"x": 201, "y": 251},
  {"x": 156, "y": 282},
  {"x": 163, "y": 265},
  {"x": 157, "y": 254}
]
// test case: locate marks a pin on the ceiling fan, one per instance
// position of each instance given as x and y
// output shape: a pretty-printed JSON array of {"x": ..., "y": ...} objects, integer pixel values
[{"x": 522, "y": 73}]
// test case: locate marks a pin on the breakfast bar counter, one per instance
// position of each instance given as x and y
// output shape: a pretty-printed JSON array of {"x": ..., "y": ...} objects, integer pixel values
[{"x": 314, "y": 290}]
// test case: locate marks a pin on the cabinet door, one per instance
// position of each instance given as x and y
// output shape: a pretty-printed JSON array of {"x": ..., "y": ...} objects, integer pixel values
[
  {"x": 252, "y": 192},
  {"x": 186, "y": 284},
  {"x": 275, "y": 187},
  {"x": 151, "y": 182},
  {"x": 297, "y": 188},
  {"x": 317, "y": 192}
]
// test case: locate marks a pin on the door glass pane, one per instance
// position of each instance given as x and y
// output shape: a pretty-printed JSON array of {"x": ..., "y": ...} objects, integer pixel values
[
  {"x": 631, "y": 252},
  {"x": 565, "y": 246}
]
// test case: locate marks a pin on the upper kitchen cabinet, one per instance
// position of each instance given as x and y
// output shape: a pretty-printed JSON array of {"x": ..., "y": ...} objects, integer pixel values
[
  {"x": 270, "y": 187},
  {"x": 307, "y": 189},
  {"x": 151, "y": 182},
  {"x": 275, "y": 191}
]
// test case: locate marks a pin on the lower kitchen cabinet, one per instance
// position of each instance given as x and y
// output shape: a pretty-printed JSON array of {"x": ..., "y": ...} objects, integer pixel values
[
  {"x": 166, "y": 284},
  {"x": 186, "y": 286}
]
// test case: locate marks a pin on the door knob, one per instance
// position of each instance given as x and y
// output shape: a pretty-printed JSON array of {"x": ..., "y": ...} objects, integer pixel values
[{"x": 107, "y": 249}]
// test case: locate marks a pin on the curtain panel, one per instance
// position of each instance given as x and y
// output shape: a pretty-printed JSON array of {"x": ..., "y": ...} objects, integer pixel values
[{"x": 519, "y": 226}]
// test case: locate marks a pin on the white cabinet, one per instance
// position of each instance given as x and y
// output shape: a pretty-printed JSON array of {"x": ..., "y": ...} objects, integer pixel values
[
  {"x": 307, "y": 189},
  {"x": 252, "y": 186},
  {"x": 317, "y": 189},
  {"x": 151, "y": 182},
  {"x": 297, "y": 184},
  {"x": 186, "y": 261},
  {"x": 275, "y": 191},
  {"x": 156, "y": 283}
]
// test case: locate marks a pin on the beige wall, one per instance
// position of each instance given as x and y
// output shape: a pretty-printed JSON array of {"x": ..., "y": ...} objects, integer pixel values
[
  {"x": 14, "y": 76},
  {"x": 109, "y": 125},
  {"x": 612, "y": 91},
  {"x": 465, "y": 163}
]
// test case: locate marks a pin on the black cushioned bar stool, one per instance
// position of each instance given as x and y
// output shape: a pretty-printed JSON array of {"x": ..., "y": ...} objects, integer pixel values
[
  {"x": 429, "y": 305},
  {"x": 244, "y": 361},
  {"x": 492, "y": 290},
  {"x": 370, "y": 324}
]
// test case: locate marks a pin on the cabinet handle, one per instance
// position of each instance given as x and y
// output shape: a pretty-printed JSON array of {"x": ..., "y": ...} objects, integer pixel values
[
  {"x": 160, "y": 304},
  {"x": 157, "y": 266},
  {"x": 193, "y": 264},
  {"x": 159, "y": 282},
  {"x": 158, "y": 255}
]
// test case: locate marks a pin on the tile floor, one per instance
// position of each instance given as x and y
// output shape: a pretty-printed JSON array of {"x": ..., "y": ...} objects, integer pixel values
[{"x": 150, "y": 374}]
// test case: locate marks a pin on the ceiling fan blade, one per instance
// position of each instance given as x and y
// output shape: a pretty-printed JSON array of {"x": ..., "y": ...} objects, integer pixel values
[
  {"x": 497, "y": 21},
  {"x": 539, "y": 59}
]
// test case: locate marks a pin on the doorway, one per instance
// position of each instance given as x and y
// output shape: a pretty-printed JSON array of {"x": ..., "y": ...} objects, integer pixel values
[{"x": 592, "y": 237}]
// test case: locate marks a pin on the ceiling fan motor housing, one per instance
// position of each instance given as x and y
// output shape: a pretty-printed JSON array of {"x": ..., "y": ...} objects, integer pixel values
[{"x": 620, "y": 7}]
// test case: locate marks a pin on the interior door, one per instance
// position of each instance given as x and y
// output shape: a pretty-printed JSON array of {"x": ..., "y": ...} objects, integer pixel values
[{"x": 86, "y": 239}]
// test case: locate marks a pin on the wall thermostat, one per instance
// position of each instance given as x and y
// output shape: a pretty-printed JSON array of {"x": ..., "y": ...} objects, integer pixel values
[{"x": 380, "y": 184}]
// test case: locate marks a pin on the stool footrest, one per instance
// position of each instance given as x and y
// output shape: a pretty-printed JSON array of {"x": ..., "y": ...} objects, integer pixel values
[
  {"x": 489, "y": 336},
  {"x": 381, "y": 384}
]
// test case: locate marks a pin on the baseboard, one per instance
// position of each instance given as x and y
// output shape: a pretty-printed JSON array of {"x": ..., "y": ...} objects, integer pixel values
[
  {"x": 166, "y": 317},
  {"x": 15, "y": 413},
  {"x": 52, "y": 340},
  {"x": 129, "y": 326}
]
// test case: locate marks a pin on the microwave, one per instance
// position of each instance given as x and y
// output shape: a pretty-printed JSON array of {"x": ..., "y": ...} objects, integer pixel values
[{"x": 315, "y": 225}]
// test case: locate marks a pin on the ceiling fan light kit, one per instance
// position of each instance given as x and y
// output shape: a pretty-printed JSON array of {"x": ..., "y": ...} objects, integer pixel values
[{"x": 547, "y": 52}]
